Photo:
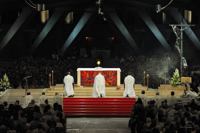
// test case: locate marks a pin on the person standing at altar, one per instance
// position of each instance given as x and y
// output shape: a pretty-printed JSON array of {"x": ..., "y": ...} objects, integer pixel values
[
  {"x": 129, "y": 85},
  {"x": 99, "y": 86},
  {"x": 68, "y": 85}
]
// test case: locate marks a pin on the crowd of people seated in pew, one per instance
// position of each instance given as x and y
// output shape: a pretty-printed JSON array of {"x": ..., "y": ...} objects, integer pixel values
[
  {"x": 44, "y": 118},
  {"x": 164, "y": 115},
  {"x": 40, "y": 68}
]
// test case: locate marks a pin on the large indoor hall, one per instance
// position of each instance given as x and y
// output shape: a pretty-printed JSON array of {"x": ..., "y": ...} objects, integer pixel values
[{"x": 99, "y": 66}]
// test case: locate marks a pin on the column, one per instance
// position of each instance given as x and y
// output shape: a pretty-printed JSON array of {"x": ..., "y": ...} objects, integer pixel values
[{"x": 118, "y": 78}]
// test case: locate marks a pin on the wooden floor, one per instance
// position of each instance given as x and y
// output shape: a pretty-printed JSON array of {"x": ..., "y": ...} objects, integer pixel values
[
  {"x": 111, "y": 92},
  {"x": 86, "y": 92}
]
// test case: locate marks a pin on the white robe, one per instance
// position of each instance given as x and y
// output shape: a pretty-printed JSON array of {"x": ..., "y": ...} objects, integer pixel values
[
  {"x": 42, "y": 99},
  {"x": 99, "y": 86},
  {"x": 57, "y": 99},
  {"x": 157, "y": 100},
  {"x": 171, "y": 101},
  {"x": 68, "y": 89},
  {"x": 144, "y": 99},
  {"x": 27, "y": 100},
  {"x": 129, "y": 81}
]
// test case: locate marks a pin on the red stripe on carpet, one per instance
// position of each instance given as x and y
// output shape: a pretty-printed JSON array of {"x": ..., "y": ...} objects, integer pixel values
[{"x": 98, "y": 106}]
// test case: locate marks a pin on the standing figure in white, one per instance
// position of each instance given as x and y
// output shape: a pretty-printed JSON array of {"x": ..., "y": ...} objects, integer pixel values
[
  {"x": 129, "y": 85},
  {"x": 68, "y": 85},
  {"x": 99, "y": 86}
]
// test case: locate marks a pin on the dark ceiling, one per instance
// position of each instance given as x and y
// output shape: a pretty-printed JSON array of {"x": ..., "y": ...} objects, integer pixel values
[
  {"x": 30, "y": 33},
  {"x": 181, "y": 4}
]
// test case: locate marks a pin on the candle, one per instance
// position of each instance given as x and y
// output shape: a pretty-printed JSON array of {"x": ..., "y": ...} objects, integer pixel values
[
  {"x": 147, "y": 81},
  {"x": 144, "y": 79},
  {"x": 49, "y": 79},
  {"x": 52, "y": 77}
]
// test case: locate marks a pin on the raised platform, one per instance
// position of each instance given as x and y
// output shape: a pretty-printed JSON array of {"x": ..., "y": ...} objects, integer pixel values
[
  {"x": 111, "y": 92},
  {"x": 98, "y": 106},
  {"x": 83, "y": 104}
]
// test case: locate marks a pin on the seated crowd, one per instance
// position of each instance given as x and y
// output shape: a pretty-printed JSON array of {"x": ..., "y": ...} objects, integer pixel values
[
  {"x": 42, "y": 118},
  {"x": 40, "y": 68},
  {"x": 164, "y": 116}
]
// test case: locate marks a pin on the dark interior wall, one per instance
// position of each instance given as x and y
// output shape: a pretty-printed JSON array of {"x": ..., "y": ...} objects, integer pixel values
[{"x": 100, "y": 35}]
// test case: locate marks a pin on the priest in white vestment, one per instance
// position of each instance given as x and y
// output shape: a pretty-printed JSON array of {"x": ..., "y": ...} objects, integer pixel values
[
  {"x": 144, "y": 98},
  {"x": 57, "y": 99},
  {"x": 42, "y": 99},
  {"x": 99, "y": 86},
  {"x": 171, "y": 100},
  {"x": 68, "y": 85},
  {"x": 129, "y": 83},
  {"x": 157, "y": 99},
  {"x": 27, "y": 100}
]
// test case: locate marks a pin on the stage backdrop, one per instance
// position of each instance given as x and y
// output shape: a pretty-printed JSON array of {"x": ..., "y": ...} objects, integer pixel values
[{"x": 87, "y": 77}]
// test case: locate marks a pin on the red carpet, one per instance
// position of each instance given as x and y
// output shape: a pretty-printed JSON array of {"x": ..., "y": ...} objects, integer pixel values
[{"x": 98, "y": 106}]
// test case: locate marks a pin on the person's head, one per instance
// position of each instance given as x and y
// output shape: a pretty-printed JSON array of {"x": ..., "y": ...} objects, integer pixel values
[
  {"x": 55, "y": 105},
  {"x": 5, "y": 104},
  {"x": 56, "y": 93},
  {"x": 157, "y": 93},
  {"x": 32, "y": 101},
  {"x": 43, "y": 93},
  {"x": 36, "y": 109},
  {"x": 143, "y": 92},
  {"x": 69, "y": 73},
  {"x": 17, "y": 101},
  {"x": 129, "y": 73},
  {"x": 28, "y": 93},
  {"x": 46, "y": 101},
  {"x": 148, "y": 120},
  {"x": 172, "y": 93}
]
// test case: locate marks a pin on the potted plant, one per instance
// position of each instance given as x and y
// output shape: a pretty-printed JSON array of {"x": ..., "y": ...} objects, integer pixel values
[
  {"x": 176, "y": 78},
  {"x": 5, "y": 84}
]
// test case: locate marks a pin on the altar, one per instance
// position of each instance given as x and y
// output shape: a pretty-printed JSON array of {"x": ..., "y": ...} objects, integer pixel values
[{"x": 85, "y": 76}]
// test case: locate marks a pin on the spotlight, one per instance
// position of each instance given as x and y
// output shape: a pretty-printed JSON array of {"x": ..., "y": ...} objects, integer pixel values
[
  {"x": 158, "y": 8},
  {"x": 40, "y": 7},
  {"x": 104, "y": 18},
  {"x": 184, "y": 62}
]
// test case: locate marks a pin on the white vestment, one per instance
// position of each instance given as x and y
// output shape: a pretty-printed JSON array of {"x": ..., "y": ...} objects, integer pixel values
[
  {"x": 27, "y": 100},
  {"x": 42, "y": 99},
  {"x": 129, "y": 81},
  {"x": 68, "y": 89},
  {"x": 57, "y": 99},
  {"x": 171, "y": 101},
  {"x": 99, "y": 86},
  {"x": 157, "y": 100},
  {"x": 144, "y": 99}
]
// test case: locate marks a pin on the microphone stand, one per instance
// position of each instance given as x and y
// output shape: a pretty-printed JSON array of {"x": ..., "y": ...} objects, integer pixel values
[{"x": 26, "y": 78}]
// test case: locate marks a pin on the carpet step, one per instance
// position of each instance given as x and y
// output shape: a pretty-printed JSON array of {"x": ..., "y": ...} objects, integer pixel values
[{"x": 98, "y": 106}]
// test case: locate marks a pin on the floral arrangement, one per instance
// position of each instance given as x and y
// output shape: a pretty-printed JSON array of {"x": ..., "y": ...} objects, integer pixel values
[
  {"x": 176, "y": 78},
  {"x": 5, "y": 82}
]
